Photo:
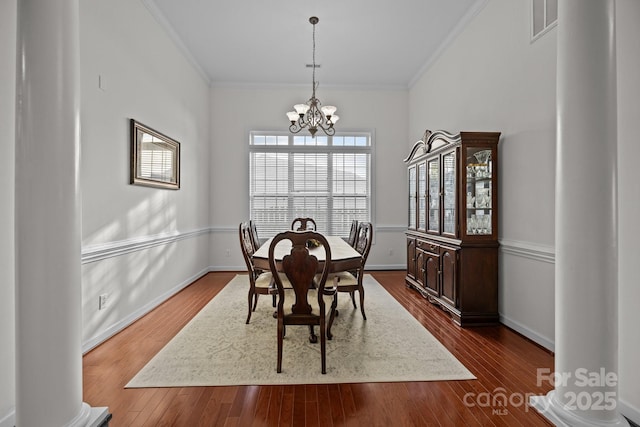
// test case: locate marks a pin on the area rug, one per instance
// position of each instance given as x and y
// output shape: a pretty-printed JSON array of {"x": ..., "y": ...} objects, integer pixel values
[{"x": 217, "y": 348}]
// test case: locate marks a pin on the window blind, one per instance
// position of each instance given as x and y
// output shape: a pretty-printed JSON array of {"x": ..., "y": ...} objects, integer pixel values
[{"x": 325, "y": 178}]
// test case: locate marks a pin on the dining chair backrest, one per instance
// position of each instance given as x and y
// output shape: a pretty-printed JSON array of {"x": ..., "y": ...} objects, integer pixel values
[
  {"x": 246, "y": 245},
  {"x": 254, "y": 235},
  {"x": 301, "y": 224},
  {"x": 300, "y": 267},
  {"x": 353, "y": 232},
  {"x": 363, "y": 240}
]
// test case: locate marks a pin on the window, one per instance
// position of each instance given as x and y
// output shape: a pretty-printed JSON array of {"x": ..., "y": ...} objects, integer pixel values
[
  {"x": 544, "y": 16},
  {"x": 327, "y": 178}
]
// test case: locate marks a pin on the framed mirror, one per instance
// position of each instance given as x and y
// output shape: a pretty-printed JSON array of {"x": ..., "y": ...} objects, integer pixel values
[{"x": 155, "y": 158}]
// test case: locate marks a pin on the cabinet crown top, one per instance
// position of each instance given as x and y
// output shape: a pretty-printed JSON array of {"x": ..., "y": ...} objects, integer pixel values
[{"x": 434, "y": 140}]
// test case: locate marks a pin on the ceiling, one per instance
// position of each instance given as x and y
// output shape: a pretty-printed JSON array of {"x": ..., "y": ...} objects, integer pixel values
[{"x": 359, "y": 43}]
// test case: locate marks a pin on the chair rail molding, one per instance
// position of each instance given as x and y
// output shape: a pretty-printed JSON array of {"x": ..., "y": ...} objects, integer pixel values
[
  {"x": 529, "y": 250},
  {"x": 103, "y": 251}
]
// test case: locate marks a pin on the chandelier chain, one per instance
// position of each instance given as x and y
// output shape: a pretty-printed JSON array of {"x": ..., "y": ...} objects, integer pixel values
[{"x": 314, "y": 62}]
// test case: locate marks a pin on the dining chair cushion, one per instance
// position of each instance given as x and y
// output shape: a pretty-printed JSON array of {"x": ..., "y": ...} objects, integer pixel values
[
  {"x": 343, "y": 278},
  {"x": 265, "y": 280}
]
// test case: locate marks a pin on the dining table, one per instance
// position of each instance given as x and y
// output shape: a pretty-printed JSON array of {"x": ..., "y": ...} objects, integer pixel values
[{"x": 343, "y": 256}]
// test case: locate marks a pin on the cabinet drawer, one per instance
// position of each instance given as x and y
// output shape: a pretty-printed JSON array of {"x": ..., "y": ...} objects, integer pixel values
[{"x": 428, "y": 246}]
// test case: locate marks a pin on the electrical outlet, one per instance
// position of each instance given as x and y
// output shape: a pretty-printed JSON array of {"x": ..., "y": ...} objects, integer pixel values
[{"x": 102, "y": 302}]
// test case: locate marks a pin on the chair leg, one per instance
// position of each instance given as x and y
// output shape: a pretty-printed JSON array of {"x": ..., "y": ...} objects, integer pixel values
[
  {"x": 353, "y": 299},
  {"x": 332, "y": 314},
  {"x": 313, "y": 338},
  {"x": 255, "y": 300},
  {"x": 273, "y": 298},
  {"x": 361, "y": 292},
  {"x": 323, "y": 347},
  {"x": 250, "y": 301},
  {"x": 280, "y": 338}
]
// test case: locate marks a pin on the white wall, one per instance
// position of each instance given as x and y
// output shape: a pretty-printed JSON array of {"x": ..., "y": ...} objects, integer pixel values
[
  {"x": 140, "y": 244},
  {"x": 628, "y": 34},
  {"x": 236, "y": 111},
  {"x": 491, "y": 78},
  {"x": 7, "y": 277}
]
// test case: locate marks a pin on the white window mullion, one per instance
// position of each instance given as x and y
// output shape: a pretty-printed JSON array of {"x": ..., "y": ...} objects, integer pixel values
[{"x": 290, "y": 199}]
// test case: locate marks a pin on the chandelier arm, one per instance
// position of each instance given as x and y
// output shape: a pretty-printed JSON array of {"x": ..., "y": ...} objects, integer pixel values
[
  {"x": 295, "y": 127},
  {"x": 326, "y": 127}
]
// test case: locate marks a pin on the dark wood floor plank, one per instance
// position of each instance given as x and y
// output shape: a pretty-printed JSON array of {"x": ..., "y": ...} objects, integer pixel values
[
  {"x": 502, "y": 360},
  {"x": 286, "y": 407},
  {"x": 336, "y": 404},
  {"x": 275, "y": 405},
  {"x": 299, "y": 405}
]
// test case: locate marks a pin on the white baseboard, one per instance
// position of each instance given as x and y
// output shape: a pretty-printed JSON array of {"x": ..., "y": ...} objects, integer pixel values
[
  {"x": 629, "y": 411},
  {"x": 238, "y": 268},
  {"x": 9, "y": 420},
  {"x": 117, "y": 327},
  {"x": 386, "y": 267},
  {"x": 527, "y": 332}
]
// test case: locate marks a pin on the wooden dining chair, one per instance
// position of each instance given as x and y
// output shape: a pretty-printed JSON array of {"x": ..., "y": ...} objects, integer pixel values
[
  {"x": 260, "y": 282},
  {"x": 300, "y": 267},
  {"x": 353, "y": 233},
  {"x": 351, "y": 281},
  {"x": 301, "y": 224}
]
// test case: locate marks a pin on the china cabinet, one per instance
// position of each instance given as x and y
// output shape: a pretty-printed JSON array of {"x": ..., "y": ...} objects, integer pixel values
[{"x": 452, "y": 236}]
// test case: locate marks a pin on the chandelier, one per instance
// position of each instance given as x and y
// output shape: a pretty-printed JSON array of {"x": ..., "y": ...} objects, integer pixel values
[{"x": 312, "y": 115}]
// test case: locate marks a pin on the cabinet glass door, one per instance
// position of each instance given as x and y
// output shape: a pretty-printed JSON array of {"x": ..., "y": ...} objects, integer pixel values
[
  {"x": 479, "y": 197},
  {"x": 422, "y": 196},
  {"x": 413, "y": 203},
  {"x": 449, "y": 193},
  {"x": 434, "y": 195}
]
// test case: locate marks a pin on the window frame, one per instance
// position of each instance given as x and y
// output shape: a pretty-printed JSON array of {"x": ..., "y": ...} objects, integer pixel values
[{"x": 329, "y": 149}]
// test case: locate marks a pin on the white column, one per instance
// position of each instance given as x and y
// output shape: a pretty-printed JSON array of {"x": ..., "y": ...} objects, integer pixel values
[
  {"x": 586, "y": 279},
  {"x": 47, "y": 217}
]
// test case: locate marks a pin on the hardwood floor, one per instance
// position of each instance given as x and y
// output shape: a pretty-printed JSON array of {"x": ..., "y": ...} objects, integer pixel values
[{"x": 504, "y": 362}]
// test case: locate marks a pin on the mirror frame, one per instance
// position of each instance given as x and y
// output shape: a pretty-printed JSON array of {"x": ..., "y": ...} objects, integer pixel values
[{"x": 169, "y": 144}]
